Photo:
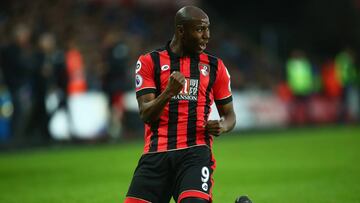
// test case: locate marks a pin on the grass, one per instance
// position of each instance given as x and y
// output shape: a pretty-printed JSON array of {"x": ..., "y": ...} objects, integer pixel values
[{"x": 294, "y": 166}]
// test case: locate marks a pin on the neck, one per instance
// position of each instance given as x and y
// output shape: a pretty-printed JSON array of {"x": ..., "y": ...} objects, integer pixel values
[{"x": 176, "y": 46}]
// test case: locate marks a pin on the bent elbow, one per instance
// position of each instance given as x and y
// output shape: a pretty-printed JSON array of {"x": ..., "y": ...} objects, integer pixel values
[
  {"x": 145, "y": 118},
  {"x": 233, "y": 125}
]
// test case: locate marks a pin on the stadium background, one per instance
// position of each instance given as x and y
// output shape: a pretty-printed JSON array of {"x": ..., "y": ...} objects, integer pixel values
[{"x": 69, "y": 127}]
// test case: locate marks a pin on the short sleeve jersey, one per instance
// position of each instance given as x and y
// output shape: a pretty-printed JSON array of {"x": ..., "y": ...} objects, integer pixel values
[{"x": 181, "y": 124}]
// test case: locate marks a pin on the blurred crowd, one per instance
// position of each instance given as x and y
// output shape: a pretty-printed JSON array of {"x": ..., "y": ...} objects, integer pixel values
[{"x": 56, "y": 49}]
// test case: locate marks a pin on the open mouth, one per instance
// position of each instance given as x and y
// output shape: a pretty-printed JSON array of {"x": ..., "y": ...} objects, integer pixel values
[{"x": 202, "y": 46}]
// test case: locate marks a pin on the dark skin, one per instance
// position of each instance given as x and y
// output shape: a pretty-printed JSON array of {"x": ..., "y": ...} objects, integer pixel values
[{"x": 191, "y": 36}]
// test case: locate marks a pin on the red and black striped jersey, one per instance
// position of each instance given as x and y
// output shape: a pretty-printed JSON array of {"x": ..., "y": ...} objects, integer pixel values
[{"x": 181, "y": 124}]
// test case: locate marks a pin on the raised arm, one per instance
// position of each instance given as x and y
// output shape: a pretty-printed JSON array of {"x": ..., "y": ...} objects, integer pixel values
[{"x": 151, "y": 107}]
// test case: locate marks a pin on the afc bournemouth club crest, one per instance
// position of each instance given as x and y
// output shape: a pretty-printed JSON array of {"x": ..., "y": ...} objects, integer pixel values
[{"x": 204, "y": 69}]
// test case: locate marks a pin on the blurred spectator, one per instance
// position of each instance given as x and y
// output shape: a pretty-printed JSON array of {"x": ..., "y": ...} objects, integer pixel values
[
  {"x": 299, "y": 74},
  {"x": 284, "y": 93},
  {"x": 21, "y": 68},
  {"x": 51, "y": 82},
  {"x": 53, "y": 61},
  {"x": 331, "y": 80},
  {"x": 75, "y": 69},
  {"x": 346, "y": 72},
  {"x": 325, "y": 107},
  {"x": 300, "y": 80},
  {"x": 6, "y": 111},
  {"x": 345, "y": 67},
  {"x": 116, "y": 80}
]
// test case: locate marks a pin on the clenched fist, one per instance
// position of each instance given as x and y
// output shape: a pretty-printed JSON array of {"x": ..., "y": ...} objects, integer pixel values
[
  {"x": 176, "y": 83},
  {"x": 215, "y": 127}
]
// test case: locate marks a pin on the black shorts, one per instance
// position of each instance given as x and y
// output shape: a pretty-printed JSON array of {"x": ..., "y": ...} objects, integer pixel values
[{"x": 178, "y": 174}]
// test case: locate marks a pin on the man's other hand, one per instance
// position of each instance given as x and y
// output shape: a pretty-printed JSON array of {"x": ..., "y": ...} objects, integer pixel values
[{"x": 215, "y": 127}]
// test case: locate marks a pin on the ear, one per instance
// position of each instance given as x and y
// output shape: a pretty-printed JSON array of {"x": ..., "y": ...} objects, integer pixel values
[{"x": 180, "y": 30}]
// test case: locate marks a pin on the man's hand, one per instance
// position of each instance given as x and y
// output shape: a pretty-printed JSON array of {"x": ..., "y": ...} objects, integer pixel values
[
  {"x": 215, "y": 127},
  {"x": 175, "y": 84},
  {"x": 151, "y": 107}
]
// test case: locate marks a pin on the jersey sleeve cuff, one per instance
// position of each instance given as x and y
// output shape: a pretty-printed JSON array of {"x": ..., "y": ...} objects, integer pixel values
[
  {"x": 224, "y": 101},
  {"x": 145, "y": 91}
]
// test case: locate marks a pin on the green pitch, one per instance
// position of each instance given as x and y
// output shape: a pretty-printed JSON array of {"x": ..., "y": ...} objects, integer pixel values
[{"x": 314, "y": 165}]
